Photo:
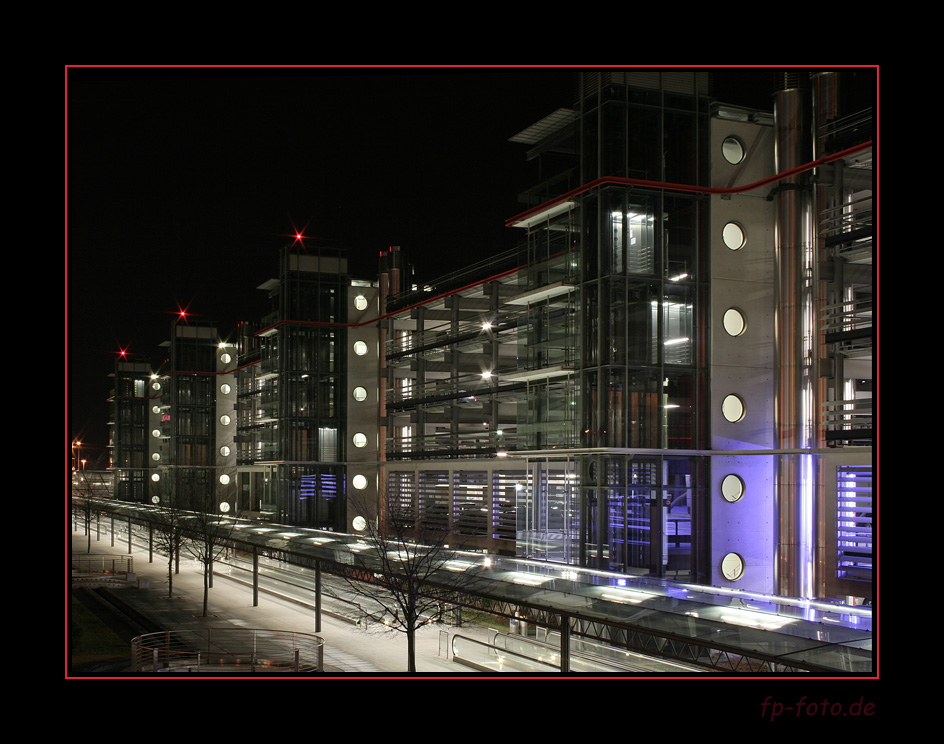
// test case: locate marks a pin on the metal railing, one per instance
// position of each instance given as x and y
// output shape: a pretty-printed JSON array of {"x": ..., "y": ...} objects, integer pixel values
[
  {"x": 851, "y": 217},
  {"x": 847, "y": 415},
  {"x": 485, "y": 657},
  {"x": 212, "y": 650},
  {"x": 102, "y": 565},
  {"x": 850, "y": 315}
]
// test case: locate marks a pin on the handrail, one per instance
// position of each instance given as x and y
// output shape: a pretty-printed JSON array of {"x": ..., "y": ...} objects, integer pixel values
[{"x": 250, "y": 649}]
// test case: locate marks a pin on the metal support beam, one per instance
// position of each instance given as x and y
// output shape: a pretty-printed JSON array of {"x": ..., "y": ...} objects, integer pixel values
[
  {"x": 565, "y": 644},
  {"x": 255, "y": 576},
  {"x": 317, "y": 596}
]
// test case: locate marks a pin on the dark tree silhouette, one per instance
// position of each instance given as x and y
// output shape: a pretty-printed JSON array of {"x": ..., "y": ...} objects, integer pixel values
[{"x": 409, "y": 578}]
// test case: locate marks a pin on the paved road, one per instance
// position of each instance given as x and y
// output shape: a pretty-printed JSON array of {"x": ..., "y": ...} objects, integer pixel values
[{"x": 348, "y": 648}]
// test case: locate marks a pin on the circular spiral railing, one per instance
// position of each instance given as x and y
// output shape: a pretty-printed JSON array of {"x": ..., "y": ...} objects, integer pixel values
[{"x": 228, "y": 650}]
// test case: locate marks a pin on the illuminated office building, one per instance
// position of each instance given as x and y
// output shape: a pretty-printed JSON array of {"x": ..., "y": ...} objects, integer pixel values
[
  {"x": 300, "y": 369},
  {"x": 670, "y": 377},
  {"x": 172, "y": 426},
  {"x": 128, "y": 426}
]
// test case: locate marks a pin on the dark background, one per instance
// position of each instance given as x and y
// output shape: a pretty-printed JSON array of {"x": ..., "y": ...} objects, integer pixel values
[{"x": 182, "y": 184}]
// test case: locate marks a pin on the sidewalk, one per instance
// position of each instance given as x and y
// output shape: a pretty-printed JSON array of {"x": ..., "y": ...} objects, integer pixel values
[{"x": 348, "y": 649}]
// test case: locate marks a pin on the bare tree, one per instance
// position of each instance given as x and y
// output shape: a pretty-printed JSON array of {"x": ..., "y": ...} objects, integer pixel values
[
  {"x": 185, "y": 517},
  {"x": 84, "y": 504},
  {"x": 409, "y": 578},
  {"x": 207, "y": 532},
  {"x": 167, "y": 521}
]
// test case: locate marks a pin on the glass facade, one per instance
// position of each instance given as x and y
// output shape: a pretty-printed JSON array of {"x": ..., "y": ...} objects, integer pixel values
[
  {"x": 561, "y": 408},
  {"x": 128, "y": 416},
  {"x": 292, "y": 405},
  {"x": 598, "y": 343}
]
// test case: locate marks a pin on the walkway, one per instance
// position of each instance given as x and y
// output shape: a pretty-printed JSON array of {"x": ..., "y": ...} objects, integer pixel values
[{"x": 348, "y": 648}]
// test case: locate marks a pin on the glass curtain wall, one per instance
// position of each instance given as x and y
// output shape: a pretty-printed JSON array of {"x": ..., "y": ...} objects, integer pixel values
[
  {"x": 643, "y": 302},
  {"x": 548, "y": 519},
  {"x": 303, "y": 393},
  {"x": 640, "y": 514},
  {"x": 129, "y": 434}
]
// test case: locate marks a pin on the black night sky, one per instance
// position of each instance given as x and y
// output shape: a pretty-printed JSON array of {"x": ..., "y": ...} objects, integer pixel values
[{"x": 183, "y": 183}]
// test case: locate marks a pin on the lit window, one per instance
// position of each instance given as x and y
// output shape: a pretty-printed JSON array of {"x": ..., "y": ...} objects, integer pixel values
[
  {"x": 225, "y": 451},
  {"x": 155, "y": 477},
  {"x": 225, "y": 420},
  {"x": 360, "y": 348},
  {"x": 360, "y": 439},
  {"x": 225, "y": 389},
  {"x": 156, "y": 456},
  {"x": 155, "y": 409},
  {"x": 733, "y": 322},
  {"x": 156, "y": 433},
  {"x": 733, "y": 236},
  {"x": 732, "y": 488},
  {"x": 732, "y": 566},
  {"x": 155, "y": 386},
  {"x": 732, "y": 408},
  {"x": 360, "y": 394},
  {"x": 359, "y": 482},
  {"x": 226, "y": 358},
  {"x": 360, "y": 302},
  {"x": 224, "y": 479},
  {"x": 732, "y": 150}
]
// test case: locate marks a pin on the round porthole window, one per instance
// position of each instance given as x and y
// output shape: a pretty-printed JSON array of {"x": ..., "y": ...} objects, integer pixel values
[
  {"x": 360, "y": 394},
  {"x": 360, "y": 439},
  {"x": 733, "y": 236},
  {"x": 360, "y": 348},
  {"x": 732, "y": 566},
  {"x": 734, "y": 322},
  {"x": 360, "y": 302},
  {"x": 155, "y": 386},
  {"x": 224, "y": 479},
  {"x": 156, "y": 456},
  {"x": 733, "y": 150},
  {"x": 359, "y": 524},
  {"x": 224, "y": 507},
  {"x": 732, "y": 488},
  {"x": 225, "y": 420},
  {"x": 732, "y": 408},
  {"x": 225, "y": 451},
  {"x": 155, "y": 409},
  {"x": 155, "y": 477},
  {"x": 226, "y": 358},
  {"x": 359, "y": 482},
  {"x": 225, "y": 389},
  {"x": 155, "y": 499},
  {"x": 156, "y": 433}
]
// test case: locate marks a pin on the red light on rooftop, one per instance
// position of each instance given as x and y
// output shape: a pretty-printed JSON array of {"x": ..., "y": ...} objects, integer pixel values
[{"x": 298, "y": 236}]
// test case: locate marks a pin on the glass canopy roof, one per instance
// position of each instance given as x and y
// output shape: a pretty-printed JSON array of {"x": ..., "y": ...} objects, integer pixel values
[{"x": 819, "y": 636}]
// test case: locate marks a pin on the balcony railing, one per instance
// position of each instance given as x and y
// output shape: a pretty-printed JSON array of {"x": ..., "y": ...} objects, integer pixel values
[{"x": 847, "y": 420}]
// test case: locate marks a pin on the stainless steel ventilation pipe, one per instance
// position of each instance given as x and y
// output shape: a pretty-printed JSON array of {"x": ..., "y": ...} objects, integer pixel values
[{"x": 795, "y": 344}]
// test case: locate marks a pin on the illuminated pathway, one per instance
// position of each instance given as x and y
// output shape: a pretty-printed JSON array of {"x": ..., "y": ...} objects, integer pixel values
[{"x": 726, "y": 629}]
